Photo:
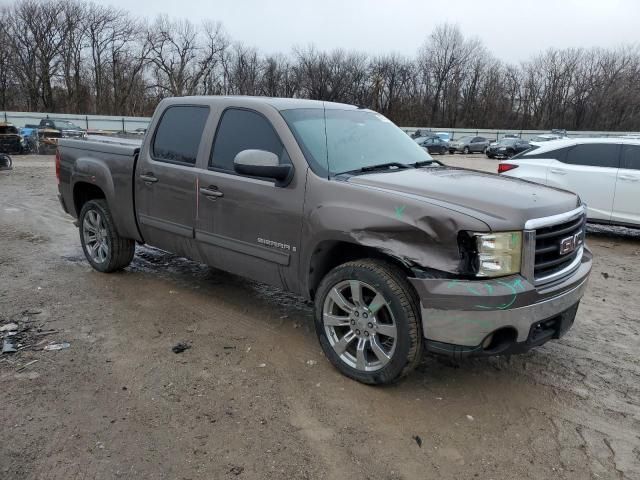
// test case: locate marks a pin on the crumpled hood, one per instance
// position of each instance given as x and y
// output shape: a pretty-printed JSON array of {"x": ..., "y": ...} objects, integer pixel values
[{"x": 500, "y": 202}]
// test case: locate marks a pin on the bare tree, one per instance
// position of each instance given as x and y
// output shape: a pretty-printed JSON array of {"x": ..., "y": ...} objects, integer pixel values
[
  {"x": 181, "y": 57},
  {"x": 76, "y": 56}
]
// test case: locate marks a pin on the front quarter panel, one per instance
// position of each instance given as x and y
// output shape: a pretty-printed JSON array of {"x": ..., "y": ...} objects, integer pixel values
[{"x": 415, "y": 232}]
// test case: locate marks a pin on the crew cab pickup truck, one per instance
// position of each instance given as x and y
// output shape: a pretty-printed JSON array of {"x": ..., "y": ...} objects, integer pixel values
[{"x": 335, "y": 203}]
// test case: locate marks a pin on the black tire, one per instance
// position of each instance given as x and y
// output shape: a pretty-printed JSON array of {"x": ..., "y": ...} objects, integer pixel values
[
  {"x": 403, "y": 304},
  {"x": 120, "y": 250},
  {"x": 490, "y": 156},
  {"x": 466, "y": 150},
  {"x": 5, "y": 162}
]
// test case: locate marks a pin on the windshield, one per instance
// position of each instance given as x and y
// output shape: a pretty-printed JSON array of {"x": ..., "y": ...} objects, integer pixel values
[
  {"x": 508, "y": 141},
  {"x": 349, "y": 140},
  {"x": 8, "y": 130},
  {"x": 65, "y": 124}
]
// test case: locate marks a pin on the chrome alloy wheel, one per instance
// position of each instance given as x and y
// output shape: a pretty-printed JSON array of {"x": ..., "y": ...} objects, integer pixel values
[
  {"x": 359, "y": 325},
  {"x": 96, "y": 240}
]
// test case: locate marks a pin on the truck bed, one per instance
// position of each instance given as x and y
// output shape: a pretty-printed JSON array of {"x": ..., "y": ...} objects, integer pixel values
[{"x": 106, "y": 163}]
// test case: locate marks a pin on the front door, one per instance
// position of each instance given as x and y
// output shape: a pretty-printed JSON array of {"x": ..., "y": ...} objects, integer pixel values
[
  {"x": 166, "y": 180},
  {"x": 246, "y": 225},
  {"x": 626, "y": 205}
]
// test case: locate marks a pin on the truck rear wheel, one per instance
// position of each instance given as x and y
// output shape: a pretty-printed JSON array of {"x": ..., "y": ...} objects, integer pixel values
[
  {"x": 105, "y": 250},
  {"x": 367, "y": 320}
]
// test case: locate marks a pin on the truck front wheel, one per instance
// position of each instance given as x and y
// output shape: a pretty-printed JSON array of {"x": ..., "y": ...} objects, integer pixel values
[
  {"x": 105, "y": 250},
  {"x": 367, "y": 320}
]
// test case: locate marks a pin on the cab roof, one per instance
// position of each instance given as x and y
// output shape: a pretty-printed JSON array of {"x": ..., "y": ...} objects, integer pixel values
[{"x": 275, "y": 102}]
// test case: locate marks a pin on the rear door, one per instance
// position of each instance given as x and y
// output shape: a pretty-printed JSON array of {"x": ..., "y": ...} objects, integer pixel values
[
  {"x": 626, "y": 205},
  {"x": 590, "y": 170},
  {"x": 166, "y": 180},
  {"x": 248, "y": 225}
]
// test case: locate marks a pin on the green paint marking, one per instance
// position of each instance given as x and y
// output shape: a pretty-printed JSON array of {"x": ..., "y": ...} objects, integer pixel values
[
  {"x": 472, "y": 290},
  {"x": 400, "y": 211},
  {"x": 452, "y": 283},
  {"x": 518, "y": 284}
]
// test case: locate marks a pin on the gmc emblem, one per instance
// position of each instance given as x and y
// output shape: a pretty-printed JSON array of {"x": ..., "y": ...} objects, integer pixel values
[{"x": 569, "y": 244}]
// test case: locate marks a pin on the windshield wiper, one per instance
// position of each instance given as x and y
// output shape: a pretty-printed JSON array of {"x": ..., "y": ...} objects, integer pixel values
[
  {"x": 426, "y": 163},
  {"x": 383, "y": 166}
]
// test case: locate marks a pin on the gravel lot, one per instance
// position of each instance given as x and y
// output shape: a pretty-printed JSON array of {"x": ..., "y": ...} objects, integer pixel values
[{"x": 254, "y": 397}]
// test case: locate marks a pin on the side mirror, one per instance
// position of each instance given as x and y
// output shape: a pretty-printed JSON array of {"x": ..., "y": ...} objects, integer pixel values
[{"x": 260, "y": 163}]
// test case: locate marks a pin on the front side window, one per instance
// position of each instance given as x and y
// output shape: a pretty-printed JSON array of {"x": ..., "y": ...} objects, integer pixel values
[
  {"x": 337, "y": 141},
  {"x": 594, "y": 155},
  {"x": 178, "y": 134},
  {"x": 243, "y": 130},
  {"x": 630, "y": 157}
]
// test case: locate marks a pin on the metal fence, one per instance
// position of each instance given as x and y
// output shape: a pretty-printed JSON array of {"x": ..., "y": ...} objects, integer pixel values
[
  {"x": 494, "y": 134},
  {"x": 89, "y": 122},
  {"x": 130, "y": 124}
]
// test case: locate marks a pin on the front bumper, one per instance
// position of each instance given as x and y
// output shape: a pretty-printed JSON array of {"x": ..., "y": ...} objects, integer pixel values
[{"x": 498, "y": 316}]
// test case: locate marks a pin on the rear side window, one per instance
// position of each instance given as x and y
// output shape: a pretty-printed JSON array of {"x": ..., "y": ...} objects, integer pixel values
[
  {"x": 630, "y": 157},
  {"x": 594, "y": 155},
  {"x": 243, "y": 130},
  {"x": 178, "y": 134}
]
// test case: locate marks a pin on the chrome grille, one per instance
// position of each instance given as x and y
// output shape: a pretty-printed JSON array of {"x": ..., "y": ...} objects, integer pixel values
[
  {"x": 554, "y": 246},
  {"x": 549, "y": 259}
]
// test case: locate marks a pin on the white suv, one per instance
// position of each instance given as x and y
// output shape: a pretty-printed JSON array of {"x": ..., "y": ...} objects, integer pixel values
[{"x": 604, "y": 172}]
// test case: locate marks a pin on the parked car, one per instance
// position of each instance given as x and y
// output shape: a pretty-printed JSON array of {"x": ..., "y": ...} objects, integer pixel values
[
  {"x": 511, "y": 135},
  {"x": 66, "y": 128},
  {"x": 545, "y": 137},
  {"x": 10, "y": 140},
  {"x": 468, "y": 145},
  {"x": 433, "y": 144},
  {"x": 604, "y": 172},
  {"x": 507, "y": 147},
  {"x": 398, "y": 252}
]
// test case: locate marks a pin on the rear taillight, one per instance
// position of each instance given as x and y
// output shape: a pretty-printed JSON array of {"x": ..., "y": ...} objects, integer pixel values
[
  {"x": 58, "y": 164},
  {"x": 505, "y": 167}
]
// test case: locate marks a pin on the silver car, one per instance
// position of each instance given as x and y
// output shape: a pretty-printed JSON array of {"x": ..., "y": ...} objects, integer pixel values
[{"x": 469, "y": 145}]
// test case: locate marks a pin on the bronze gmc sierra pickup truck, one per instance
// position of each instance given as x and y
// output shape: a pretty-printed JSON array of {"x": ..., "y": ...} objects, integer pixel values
[{"x": 337, "y": 204}]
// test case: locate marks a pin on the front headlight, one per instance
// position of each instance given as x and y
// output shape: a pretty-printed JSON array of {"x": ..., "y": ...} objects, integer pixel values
[{"x": 498, "y": 254}]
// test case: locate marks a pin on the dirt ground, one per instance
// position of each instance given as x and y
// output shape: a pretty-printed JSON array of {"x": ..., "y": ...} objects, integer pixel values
[{"x": 254, "y": 397}]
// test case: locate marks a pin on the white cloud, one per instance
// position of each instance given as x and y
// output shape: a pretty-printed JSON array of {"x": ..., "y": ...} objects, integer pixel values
[{"x": 512, "y": 29}]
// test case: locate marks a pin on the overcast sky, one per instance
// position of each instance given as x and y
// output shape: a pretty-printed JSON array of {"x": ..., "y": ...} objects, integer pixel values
[{"x": 512, "y": 29}]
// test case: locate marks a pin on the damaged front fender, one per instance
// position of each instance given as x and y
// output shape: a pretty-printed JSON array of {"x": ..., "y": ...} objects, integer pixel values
[{"x": 406, "y": 227}]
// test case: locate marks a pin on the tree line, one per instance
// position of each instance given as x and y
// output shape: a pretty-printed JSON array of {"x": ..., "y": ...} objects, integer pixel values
[{"x": 69, "y": 56}]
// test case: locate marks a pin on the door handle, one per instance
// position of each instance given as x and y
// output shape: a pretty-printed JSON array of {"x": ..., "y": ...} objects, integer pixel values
[
  {"x": 630, "y": 178},
  {"x": 148, "y": 178},
  {"x": 211, "y": 192},
  {"x": 558, "y": 171}
]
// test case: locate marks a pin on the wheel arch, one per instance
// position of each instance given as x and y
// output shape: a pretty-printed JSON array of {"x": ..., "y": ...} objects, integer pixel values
[
  {"x": 329, "y": 254},
  {"x": 84, "y": 192}
]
